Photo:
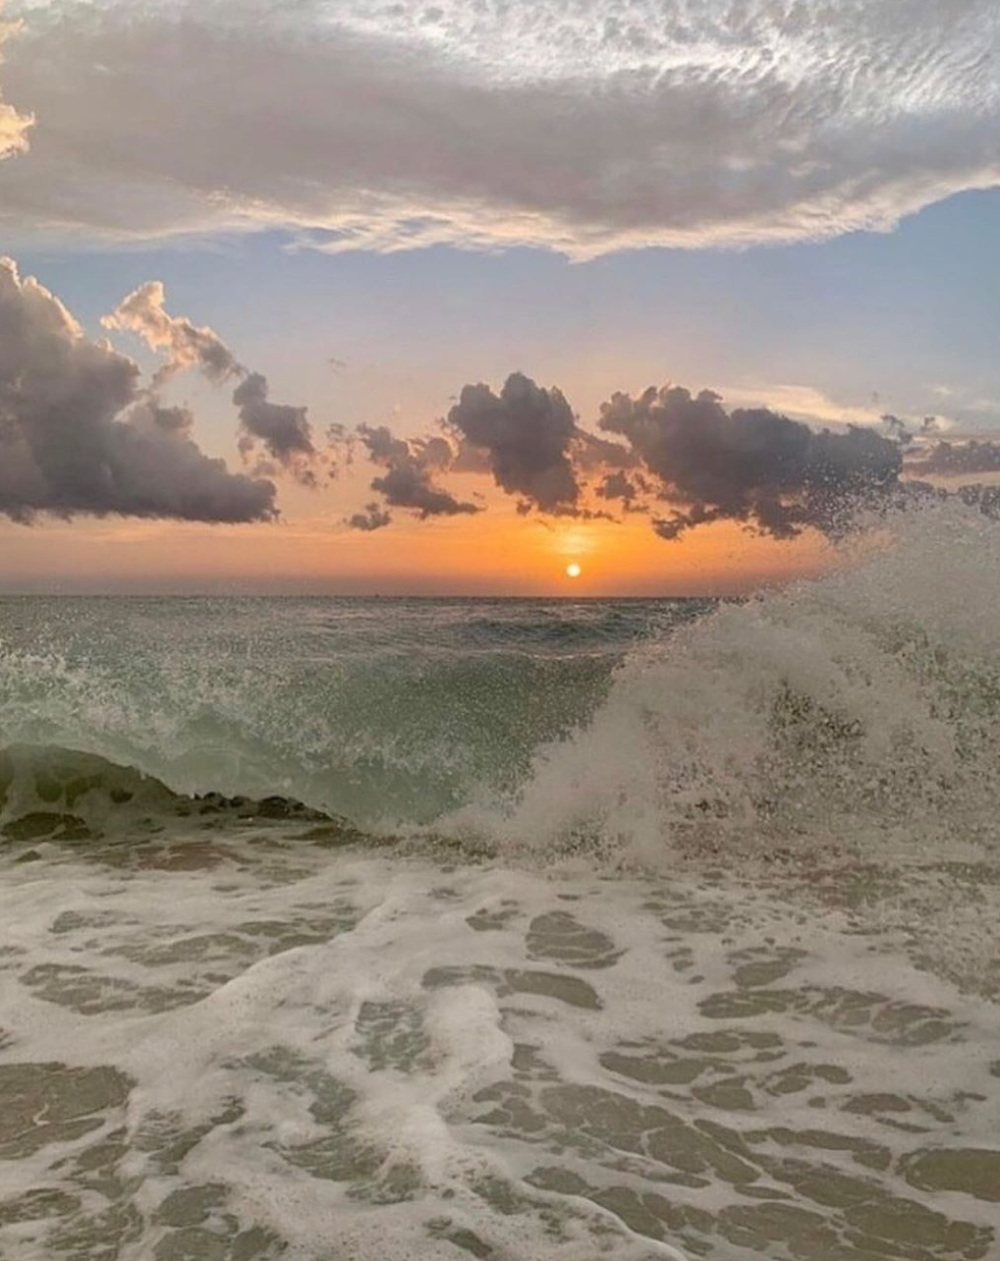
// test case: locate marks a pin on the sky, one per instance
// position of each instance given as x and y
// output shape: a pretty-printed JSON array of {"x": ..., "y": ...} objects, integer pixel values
[{"x": 445, "y": 297}]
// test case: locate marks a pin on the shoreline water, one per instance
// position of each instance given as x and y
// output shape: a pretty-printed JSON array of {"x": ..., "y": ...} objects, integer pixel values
[{"x": 251, "y": 1046}]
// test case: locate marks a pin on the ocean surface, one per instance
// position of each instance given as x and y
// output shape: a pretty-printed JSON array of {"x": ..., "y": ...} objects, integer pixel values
[{"x": 386, "y": 930}]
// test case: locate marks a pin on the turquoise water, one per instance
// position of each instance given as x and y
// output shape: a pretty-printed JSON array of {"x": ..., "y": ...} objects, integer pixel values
[{"x": 391, "y": 711}]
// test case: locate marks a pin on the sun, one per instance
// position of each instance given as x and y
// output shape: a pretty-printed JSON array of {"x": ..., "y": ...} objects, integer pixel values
[{"x": 573, "y": 570}]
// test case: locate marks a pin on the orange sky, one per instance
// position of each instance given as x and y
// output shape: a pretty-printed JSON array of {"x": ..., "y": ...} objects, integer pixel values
[{"x": 497, "y": 552}]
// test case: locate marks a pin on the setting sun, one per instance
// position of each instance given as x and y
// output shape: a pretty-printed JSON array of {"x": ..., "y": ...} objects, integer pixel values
[{"x": 573, "y": 571}]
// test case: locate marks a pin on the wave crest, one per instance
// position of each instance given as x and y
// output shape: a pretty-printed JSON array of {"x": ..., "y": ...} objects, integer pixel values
[
  {"x": 846, "y": 712},
  {"x": 49, "y": 793}
]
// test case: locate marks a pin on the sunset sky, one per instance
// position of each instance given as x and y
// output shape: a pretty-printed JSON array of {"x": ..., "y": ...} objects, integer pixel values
[{"x": 353, "y": 212}]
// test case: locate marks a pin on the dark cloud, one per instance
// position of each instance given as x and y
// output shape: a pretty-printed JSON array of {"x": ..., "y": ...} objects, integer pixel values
[
  {"x": 284, "y": 431},
  {"x": 591, "y": 454},
  {"x": 526, "y": 435},
  {"x": 684, "y": 460},
  {"x": 177, "y": 420},
  {"x": 409, "y": 470},
  {"x": 79, "y": 435},
  {"x": 373, "y": 518},
  {"x": 470, "y": 459},
  {"x": 752, "y": 466},
  {"x": 619, "y": 486},
  {"x": 957, "y": 459}
]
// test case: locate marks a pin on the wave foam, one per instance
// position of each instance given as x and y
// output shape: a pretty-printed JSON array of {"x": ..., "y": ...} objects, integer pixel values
[{"x": 853, "y": 708}]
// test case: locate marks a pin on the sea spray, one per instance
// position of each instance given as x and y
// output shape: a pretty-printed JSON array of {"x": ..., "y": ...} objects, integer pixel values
[{"x": 855, "y": 706}]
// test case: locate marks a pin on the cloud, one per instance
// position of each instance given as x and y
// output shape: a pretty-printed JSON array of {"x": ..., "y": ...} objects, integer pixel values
[
  {"x": 627, "y": 490},
  {"x": 408, "y": 479},
  {"x": 79, "y": 435},
  {"x": 957, "y": 459},
  {"x": 753, "y": 466},
  {"x": 282, "y": 430},
  {"x": 186, "y": 345},
  {"x": 803, "y": 402},
  {"x": 14, "y": 127},
  {"x": 965, "y": 402},
  {"x": 526, "y": 434},
  {"x": 592, "y": 454},
  {"x": 580, "y": 125},
  {"x": 683, "y": 460},
  {"x": 373, "y": 518}
]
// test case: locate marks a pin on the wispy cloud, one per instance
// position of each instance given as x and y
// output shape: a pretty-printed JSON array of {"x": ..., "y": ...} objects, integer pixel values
[
  {"x": 962, "y": 402},
  {"x": 186, "y": 345},
  {"x": 580, "y": 125},
  {"x": 804, "y": 402}
]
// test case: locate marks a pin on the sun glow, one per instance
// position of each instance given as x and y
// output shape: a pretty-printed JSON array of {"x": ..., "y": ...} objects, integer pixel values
[{"x": 573, "y": 570}]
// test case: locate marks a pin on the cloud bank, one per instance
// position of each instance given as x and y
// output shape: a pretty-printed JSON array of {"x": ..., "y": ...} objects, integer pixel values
[
  {"x": 579, "y": 125},
  {"x": 681, "y": 459},
  {"x": 78, "y": 434}
]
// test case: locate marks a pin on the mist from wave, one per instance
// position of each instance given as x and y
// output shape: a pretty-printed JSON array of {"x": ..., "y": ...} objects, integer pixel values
[{"x": 857, "y": 709}]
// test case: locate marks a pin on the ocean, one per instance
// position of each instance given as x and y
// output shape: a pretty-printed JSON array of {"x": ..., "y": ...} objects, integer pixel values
[{"x": 389, "y": 929}]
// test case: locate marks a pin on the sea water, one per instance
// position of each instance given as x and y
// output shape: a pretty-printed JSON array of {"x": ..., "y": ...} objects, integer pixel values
[{"x": 364, "y": 930}]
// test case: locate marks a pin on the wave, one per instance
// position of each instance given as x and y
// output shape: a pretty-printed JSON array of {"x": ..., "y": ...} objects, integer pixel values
[
  {"x": 857, "y": 710},
  {"x": 64, "y": 795},
  {"x": 391, "y": 738}
]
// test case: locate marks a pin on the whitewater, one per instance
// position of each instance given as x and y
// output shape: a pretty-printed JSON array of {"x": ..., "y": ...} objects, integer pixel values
[{"x": 386, "y": 929}]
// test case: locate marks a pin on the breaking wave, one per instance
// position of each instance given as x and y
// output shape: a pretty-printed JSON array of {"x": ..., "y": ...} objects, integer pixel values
[{"x": 854, "y": 709}]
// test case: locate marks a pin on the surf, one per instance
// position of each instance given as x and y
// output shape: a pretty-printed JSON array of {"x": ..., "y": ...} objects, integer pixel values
[
  {"x": 444, "y": 928},
  {"x": 860, "y": 705}
]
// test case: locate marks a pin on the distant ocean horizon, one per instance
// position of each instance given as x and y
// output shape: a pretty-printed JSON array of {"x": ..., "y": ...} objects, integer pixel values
[{"x": 234, "y": 591}]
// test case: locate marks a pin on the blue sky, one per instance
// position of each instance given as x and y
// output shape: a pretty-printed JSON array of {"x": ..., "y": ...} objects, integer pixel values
[{"x": 903, "y": 315}]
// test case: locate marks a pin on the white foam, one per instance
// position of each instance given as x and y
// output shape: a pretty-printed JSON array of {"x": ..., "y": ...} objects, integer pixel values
[
  {"x": 841, "y": 712},
  {"x": 448, "y": 1034}
]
